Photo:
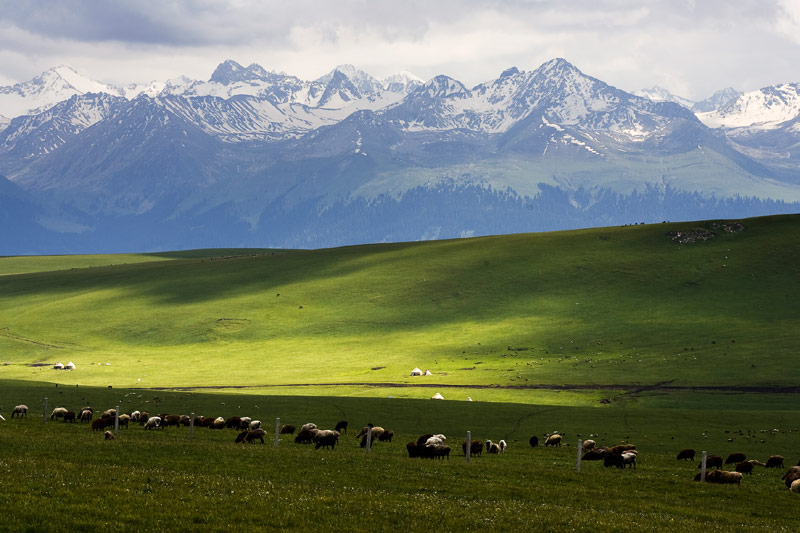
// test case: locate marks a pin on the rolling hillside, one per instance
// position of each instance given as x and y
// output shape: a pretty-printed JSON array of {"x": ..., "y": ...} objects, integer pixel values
[{"x": 617, "y": 306}]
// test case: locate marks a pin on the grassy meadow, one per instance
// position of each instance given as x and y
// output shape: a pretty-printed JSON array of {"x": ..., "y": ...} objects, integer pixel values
[{"x": 616, "y": 332}]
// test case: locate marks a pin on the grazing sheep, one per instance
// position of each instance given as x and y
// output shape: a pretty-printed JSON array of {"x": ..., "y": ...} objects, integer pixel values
[
  {"x": 502, "y": 445},
  {"x": 598, "y": 454},
  {"x": 86, "y": 415},
  {"x": 745, "y": 467},
  {"x": 613, "y": 459},
  {"x": 186, "y": 420},
  {"x": 154, "y": 422},
  {"x": 364, "y": 430},
  {"x": 287, "y": 429},
  {"x": 69, "y": 416},
  {"x": 588, "y": 445},
  {"x": 143, "y": 417},
  {"x": 244, "y": 422},
  {"x": 135, "y": 416},
  {"x": 341, "y": 426},
  {"x": 124, "y": 420},
  {"x": 422, "y": 439},
  {"x": 308, "y": 427},
  {"x": 170, "y": 420},
  {"x": 232, "y": 422},
  {"x": 492, "y": 447},
  {"x": 475, "y": 447},
  {"x": 775, "y": 461},
  {"x": 99, "y": 424},
  {"x": 326, "y": 438},
  {"x": 795, "y": 486},
  {"x": 553, "y": 440},
  {"x": 218, "y": 423},
  {"x": 629, "y": 458},
  {"x": 686, "y": 455},
  {"x": 791, "y": 475},
  {"x": 420, "y": 450},
  {"x": 436, "y": 440},
  {"x": 109, "y": 435},
  {"x": 721, "y": 477},
  {"x": 735, "y": 458},
  {"x": 110, "y": 412},
  {"x": 377, "y": 433},
  {"x": 534, "y": 441},
  {"x": 755, "y": 462},
  {"x": 58, "y": 412},
  {"x": 441, "y": 451},
  {"x": 240, "y": 437},
  {"x": 254, "y": 434},
  {"x": 620, "y": 448},
  {"x": 386, "y": 436},
  {"x": 305, "y": 436},
  {"x": 712, "y": 461},
  {"x": 255, "y": 424}
]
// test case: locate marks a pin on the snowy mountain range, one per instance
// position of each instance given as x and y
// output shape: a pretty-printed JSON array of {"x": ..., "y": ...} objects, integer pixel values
[{"x": 252, "y": 157}]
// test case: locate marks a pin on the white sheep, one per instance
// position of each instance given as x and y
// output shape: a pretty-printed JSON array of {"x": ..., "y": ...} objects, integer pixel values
[
  {"x": 588, "y": 445},
  {"x": 153, "y": 422},
  {"x": 436, "y": 440},
  {"x": 308, "y": 427},
  {"x": 255, "y": 424},
  {"x": 58, "y": 412},
  {"x": 553, "y": 440},
  {"x": 492, "y": 447},
  {"x": 135, "y": 416},
  {"x": 795, "y": 486},
  {"x": 21, "y": 410},
  {"x": 629, "y": 458},
  {"x": 502, "y": 445}
]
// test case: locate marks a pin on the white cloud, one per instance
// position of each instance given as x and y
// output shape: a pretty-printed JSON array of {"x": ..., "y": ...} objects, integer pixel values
[{"x": 691, "y": 48}]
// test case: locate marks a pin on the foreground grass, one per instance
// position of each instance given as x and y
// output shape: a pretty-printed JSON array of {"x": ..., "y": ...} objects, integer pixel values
[
  {"x": 65, "y": 477},
  {"x": 603, "y": 306}
]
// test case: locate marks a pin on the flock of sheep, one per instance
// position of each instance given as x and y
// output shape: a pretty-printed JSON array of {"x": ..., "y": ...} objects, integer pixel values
[{"x": 430, "y": 446}]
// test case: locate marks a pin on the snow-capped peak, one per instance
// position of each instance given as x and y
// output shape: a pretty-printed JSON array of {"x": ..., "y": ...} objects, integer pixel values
[
  {"x": 402, "y": 82},
  {"x": 761, "y": 109},
  {"x": 660, "y": 94}
]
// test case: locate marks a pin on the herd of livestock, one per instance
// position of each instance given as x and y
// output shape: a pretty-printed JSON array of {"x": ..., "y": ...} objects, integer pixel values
[{"x": 430, "y": 446}]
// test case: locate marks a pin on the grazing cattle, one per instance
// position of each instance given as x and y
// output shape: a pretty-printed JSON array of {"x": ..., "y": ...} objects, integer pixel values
[
  {"x": 341, "y": 426},
  {"x": 735, "y": 458},
  {"x": 553, "y": 440},
  {"x": 534, "y": 441},
  {"x": 686, "y": 455},
  {"x": 326, "y": 438},
  {"x": 775, "y": 461},
  {"x": 20, "y": 410},
  {"x": 712, "y": 461},
  {"x": 475, "y": 447},
  {"x": 287, "y": 429},
  {"x": 69, "y": 416}
]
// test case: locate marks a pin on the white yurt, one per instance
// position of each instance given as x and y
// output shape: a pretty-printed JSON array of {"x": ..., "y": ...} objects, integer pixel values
[
  {"x": 70, "y": 366},
  {"x": 437, "y": 396},
  {"x": 58, "y": 366},
  {"x": 416, "y": 372},
  {"x": 428, "y": 372}
]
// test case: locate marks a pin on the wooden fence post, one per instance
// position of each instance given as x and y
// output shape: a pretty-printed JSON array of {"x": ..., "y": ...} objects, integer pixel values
[
  {"x": 580, "y": 449},
  {"x": 116, "y": 420},
  {"x": 468, "y": 451},
  {"x": 191, "y": 428},
  {"x": 703, "y": 467},
  {"x": 277, "y": 430}
]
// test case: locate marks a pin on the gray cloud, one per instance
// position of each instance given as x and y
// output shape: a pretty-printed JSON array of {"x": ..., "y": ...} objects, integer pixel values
[{"x": 691, "y": 47}]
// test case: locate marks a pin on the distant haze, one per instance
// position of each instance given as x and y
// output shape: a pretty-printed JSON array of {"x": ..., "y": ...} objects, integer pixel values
[{"x": 692, "y": 48}]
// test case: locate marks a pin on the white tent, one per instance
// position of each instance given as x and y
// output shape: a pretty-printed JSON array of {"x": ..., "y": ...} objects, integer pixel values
[
  {"x": 437, "y": 396},
  {"x": 416, "y": 372},
  {"x": 58, "y": 366},
  {"x": 69, "y": 366},
  {"x": 428, "y": 372}
]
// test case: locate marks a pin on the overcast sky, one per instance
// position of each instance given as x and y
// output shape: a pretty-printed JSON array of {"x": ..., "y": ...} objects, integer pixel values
[{"x": 691, "y": 47}]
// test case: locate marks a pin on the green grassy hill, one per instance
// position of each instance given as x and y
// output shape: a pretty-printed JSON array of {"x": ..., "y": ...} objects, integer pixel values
[{"x": 490, "y": 317}]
